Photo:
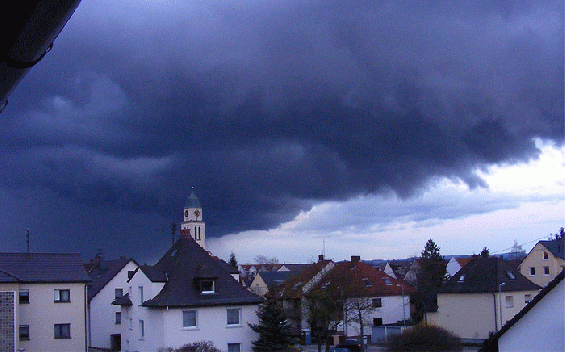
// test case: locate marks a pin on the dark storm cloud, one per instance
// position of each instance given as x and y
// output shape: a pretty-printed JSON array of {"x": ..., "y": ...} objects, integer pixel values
[{"x": 267, "y": 107}]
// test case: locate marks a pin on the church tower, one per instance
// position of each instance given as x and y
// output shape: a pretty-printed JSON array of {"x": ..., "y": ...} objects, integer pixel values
[{"x": 193, "y": 225}]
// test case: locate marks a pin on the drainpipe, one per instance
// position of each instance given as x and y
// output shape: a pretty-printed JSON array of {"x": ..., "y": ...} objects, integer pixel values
[{"x": 500, "y": 300}]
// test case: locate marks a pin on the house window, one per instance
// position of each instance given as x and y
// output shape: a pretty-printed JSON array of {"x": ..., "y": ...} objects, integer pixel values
[
  {"x": 377, "y": 321},
  {"x": 546, "y": 270},
  {"x": 367, "y": 283},
  {"x": 141, "y": 329},
  {"x": 527, "y": 298},
  {"x": 461, "y": 278},
  {"x": 509, "y": 301},
  {"x": 62, "y": 295},
  {"x": 234, "y": 316},
  {"x": 62, "y": 331},
  {"x": 234, "y": 347},
  {"x": 532, "y": 271},
  {"x": 118, "y": 293},
  {"x": 118, "y": 320},
  {"x": 377, "y": 302},
  {"x": 140, "y": 295},
  {"x": 207, "y": 286},
  {"x": 24, "y": 332},
  {"x": 189, "y": 319},
  {"x": 545, "y": 255},
  {"x": 387, "y": 281},
  {"x": 24, "y": 296}
]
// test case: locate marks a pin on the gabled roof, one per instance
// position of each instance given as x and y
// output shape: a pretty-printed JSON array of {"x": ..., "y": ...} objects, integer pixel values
[
  {"x": 486, "y": 275},
  {"x": 492, "y": 343},
  {"x": 358, "y": 279},
  {"x": 292, "y": 288},
  {"x": 42, "y": 268},
  {"x": 555, "y": 247},
  {"x": 102, "y": 272},
  {"x": 184, "y": 264}
]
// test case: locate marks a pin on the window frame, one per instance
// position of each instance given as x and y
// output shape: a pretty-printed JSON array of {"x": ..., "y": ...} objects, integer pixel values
[
  {"x": 377, "y": 302},
  {"x": 22, "y": 293},
  {"x": 546, "y": 271},
  {"x": 206, "y": 291},
  {"x": 21, "y": 332},
  {"x": 141, "y": 329},
  {"x": 118, "y": 293},
  {"x": 59, "y": 297},
  {"x": 60, "y": 333},
  {"x": 509, "y": 301},
  {"x": 234, "y": 344},
  {"x": 190, "y": 327},
  {"x": 118, "y": 318},
  {"x": 140, "y": 290},
  {"x": 230, "y": 314},
  {"x": 527, "y": 298},
  {"x": 532, "y": 271},
  {"x": 545, "y": 255}
]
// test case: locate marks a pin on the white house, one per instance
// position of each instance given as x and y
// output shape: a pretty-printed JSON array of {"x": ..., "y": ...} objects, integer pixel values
[
  {"x": 43, "y": 302},
  {"x": 186, "y": 297},
  {"x": 540, "y": 326},
  {"x": 108, "y": 282}
]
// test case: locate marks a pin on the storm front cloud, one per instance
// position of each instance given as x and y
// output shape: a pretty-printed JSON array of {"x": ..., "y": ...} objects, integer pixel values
[{"x": 267, "y": 108}]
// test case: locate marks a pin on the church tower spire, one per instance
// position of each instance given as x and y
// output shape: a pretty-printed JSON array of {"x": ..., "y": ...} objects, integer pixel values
[{"x": 193, "y": 225}]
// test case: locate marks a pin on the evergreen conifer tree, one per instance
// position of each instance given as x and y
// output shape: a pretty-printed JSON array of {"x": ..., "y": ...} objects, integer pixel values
[{"x": 273, "y": 328}]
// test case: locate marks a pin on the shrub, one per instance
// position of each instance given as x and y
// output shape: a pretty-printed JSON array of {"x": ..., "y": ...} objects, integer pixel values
[
  {"x": 202, "y": 346},
  {"x": 424, "y": 338}
]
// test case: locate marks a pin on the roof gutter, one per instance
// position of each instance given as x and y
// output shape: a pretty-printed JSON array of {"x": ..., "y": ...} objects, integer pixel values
[{"x": 34, "y": 41}]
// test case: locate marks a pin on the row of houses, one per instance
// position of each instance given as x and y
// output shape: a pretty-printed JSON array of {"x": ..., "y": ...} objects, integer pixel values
[{"x": 53, "y": 302}]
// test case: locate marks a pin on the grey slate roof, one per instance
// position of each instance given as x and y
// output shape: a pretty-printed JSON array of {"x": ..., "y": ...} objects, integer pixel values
[
  {"x": 102, "y": 273},
  {"x": 277, "y": 278},
  {"x": 183, "y": 265},
  {"x": 485, "y": 275},
  {"x": 42, "y": 267},
  {"x": 555, "y": 247}
]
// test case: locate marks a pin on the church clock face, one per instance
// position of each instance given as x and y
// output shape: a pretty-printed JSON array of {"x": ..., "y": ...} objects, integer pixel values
[{"x": 197, "y": 213}]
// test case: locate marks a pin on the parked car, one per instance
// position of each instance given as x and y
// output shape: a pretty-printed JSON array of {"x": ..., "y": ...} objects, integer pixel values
[{"x": 351, "y": 345}]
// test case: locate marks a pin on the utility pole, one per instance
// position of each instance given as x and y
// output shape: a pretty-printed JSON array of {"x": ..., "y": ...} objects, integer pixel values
[
  {"x": 173, "y": 230},
  {"x": 27, "y": 240}
]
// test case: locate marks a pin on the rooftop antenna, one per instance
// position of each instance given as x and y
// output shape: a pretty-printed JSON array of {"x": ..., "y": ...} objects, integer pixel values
[
  {"x": 173, "y": 230},
  {"x": 27, "y": 240}
]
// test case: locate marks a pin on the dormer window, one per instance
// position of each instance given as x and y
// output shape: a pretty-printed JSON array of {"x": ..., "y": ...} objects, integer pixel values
[
  {"x": 207, "y": 286},
  {"x": 387, "y": 281},
  {"x": 461, "y": 278},
  {"x": 367, "y": 282}
]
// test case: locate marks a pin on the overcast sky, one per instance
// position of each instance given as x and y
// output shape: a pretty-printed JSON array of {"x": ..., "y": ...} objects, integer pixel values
[{"x": 366, "y": 127}]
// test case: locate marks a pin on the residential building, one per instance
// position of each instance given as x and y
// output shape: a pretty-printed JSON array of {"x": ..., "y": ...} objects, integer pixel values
[
  {"x": 186, "y": 297},
  {"x": 455, "y": 264},
  {"x": 371, "y": 297},
  {"x": 544, "y": 261},
  {"x": 293, "y": 292},
  {"x": 44, "y": 302},
  {"x": 108, "y": 282},
  {"x": 266, "y": 281},
  {"x": 539, "y": 326},
  {"x": 480, "y": 298}
]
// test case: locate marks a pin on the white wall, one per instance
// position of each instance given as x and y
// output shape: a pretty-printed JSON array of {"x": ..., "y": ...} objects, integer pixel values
[
  {"x": 542, "y": 328},
  {"x": 211, "y": 326},
  {"x": 42, "y": 313},
  {"x": 390, "y": 312},
  {"x": 131, "y": 315},
  {"x": 103, "y": 313}
]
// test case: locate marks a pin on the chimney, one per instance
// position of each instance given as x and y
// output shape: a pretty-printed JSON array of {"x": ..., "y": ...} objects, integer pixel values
[
  {"x": 320, "y": 258},
  {"x": 355, "y": 259}
]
